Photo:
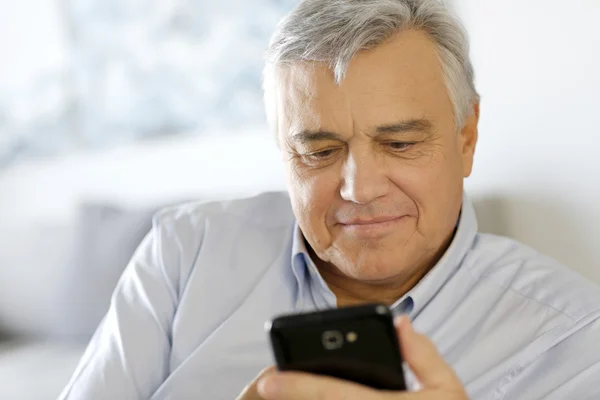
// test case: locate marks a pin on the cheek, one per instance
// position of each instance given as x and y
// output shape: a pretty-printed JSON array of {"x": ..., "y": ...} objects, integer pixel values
[
  {"x": 313, "y": 193},
  {"x": 434, "y": 186}
]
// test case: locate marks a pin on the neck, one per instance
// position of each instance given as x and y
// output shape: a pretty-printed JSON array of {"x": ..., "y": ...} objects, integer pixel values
[{"x": 350, "y": 291}]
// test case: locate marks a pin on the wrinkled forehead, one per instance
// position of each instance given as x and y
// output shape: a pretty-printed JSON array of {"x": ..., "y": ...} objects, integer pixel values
[
  {"x": 297, "y": 86},
  {"x": 401, "y": 79}
]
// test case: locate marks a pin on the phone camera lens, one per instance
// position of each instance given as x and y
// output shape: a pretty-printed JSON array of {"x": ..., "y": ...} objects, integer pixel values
[
  {"x": 332, "y": 340},
  {"x": 382, "y": 310}
]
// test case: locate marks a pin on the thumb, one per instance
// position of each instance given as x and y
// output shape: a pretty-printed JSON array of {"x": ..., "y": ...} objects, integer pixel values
[{"x": 423, "y": 358}]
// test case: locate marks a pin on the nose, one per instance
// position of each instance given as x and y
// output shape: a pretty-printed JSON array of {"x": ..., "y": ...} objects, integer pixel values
[{"x": 364, "y": 178}]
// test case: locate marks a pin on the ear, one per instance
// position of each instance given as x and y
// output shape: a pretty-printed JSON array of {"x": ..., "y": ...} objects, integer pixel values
[{"x": 468, "y": 140}]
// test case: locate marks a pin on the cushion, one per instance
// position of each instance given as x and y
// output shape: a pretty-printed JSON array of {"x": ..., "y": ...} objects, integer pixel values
[
  {"x": 35, "y": 369},
  {"x": 106, "y": 238},
  {"x": 33, "y": 263}
]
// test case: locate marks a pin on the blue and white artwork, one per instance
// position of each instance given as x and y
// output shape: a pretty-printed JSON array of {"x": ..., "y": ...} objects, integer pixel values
[{"x": 146, "y": 68}]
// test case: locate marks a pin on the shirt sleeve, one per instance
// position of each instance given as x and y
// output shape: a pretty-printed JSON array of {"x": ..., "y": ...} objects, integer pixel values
[
  {"x": 128, "y": 356},
  {"x": 570, "y": 369}
]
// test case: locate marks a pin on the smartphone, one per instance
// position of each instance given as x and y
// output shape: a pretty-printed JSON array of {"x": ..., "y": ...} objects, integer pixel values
[{"x": 358, "y": 344}]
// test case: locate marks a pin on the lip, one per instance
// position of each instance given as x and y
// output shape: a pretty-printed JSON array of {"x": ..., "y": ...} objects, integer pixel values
[
  {"x": 372, "y": 228},
  {"x": 373, "y": 221}
]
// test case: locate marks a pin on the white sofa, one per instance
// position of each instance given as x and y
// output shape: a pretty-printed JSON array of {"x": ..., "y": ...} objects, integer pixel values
[{"x": 36, "y": 369}]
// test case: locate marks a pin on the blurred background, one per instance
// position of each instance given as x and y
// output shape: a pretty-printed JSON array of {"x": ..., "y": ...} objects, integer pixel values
[
  {"x": 90, "y": 73},
  {"x": 111, "y": 109}
]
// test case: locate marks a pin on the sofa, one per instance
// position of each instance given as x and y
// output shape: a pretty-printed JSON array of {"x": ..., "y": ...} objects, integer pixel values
[{"x": 69, "y": 225}]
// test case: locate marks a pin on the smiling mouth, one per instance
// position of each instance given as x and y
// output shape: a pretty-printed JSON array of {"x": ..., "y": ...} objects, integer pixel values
[
  {"x": 375, "y": 228},
  {"x": 375, "y": 221}
]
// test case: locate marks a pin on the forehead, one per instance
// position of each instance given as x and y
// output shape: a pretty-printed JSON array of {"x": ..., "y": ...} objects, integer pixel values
[{"x": 400, "y": 79}]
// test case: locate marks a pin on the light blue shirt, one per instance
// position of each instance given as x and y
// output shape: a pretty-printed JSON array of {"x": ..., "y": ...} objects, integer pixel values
[{"x": 187, "y": 318}]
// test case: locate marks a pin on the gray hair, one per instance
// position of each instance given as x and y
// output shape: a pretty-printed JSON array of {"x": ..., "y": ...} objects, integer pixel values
[{"x": 334, "y": 31}]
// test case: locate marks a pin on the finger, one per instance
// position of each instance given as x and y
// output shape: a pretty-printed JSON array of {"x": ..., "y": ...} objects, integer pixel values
[
  {"x": 250, "y": 392},
  {"x": 266, "y": 371},
  {"x": 423, "y": 358},
  {"x": 301, "y": 386}
]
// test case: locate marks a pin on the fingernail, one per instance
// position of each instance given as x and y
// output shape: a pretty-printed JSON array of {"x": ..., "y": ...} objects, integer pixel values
[
  {"x": 399, "y": 320},
  {"x": 268, "y": 387},
  {"x": 402, "y": 320}
]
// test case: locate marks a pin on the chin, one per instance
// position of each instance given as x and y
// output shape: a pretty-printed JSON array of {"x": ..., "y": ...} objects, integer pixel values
[
  {"x": 372, "y": 260},
  {"x": 373, "y": 265}
]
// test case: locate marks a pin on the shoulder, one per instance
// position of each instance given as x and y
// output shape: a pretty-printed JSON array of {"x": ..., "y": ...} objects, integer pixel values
[
  {"x": 259, "y": 223},
  {"x": 551, "y": 313},
  {"x": 251, "y": 231},
  {"x": 532, "y": 276},
  {"x": 267, "y": 210}
]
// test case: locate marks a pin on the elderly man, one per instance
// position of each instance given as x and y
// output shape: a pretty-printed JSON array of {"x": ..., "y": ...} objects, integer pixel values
[{"x": 375, "y": 111}]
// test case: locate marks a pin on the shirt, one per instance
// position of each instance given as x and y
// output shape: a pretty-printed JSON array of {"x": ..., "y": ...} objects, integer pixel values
[{"x": 187, "y": 318}]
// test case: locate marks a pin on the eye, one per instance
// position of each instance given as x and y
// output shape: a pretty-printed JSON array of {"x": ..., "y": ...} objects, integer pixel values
[
  {"x": 399, "y": 146},
  {"x": 321, "y": 156}
]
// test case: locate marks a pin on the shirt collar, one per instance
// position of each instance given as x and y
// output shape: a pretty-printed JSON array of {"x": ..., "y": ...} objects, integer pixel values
[
  {"x": 450, "y": 262},
  {"x": 311, "y": 283}
]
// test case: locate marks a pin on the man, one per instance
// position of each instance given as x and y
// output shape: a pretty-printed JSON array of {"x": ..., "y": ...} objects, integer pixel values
[{"x": 375, "y": 111}]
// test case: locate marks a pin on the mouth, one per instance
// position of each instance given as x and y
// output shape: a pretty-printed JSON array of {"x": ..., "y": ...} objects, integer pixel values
[
  {"x": 373, "y": 228},
  {"x": 370, "y": 221}
]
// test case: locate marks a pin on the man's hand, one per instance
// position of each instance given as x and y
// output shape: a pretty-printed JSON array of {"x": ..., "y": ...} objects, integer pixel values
[{"x": 437, "y": 378}]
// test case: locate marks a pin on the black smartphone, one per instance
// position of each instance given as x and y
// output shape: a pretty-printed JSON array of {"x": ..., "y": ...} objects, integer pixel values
[{"x": 358, "y": 344}]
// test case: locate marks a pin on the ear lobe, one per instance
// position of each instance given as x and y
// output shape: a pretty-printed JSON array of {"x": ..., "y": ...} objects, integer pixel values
[{"x": 469, "y": 136}]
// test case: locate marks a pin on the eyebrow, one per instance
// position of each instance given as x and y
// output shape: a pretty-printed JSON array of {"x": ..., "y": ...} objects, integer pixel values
[
  {"x": 308, "y": 136},
  {"x": 412, "y": 125}
]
